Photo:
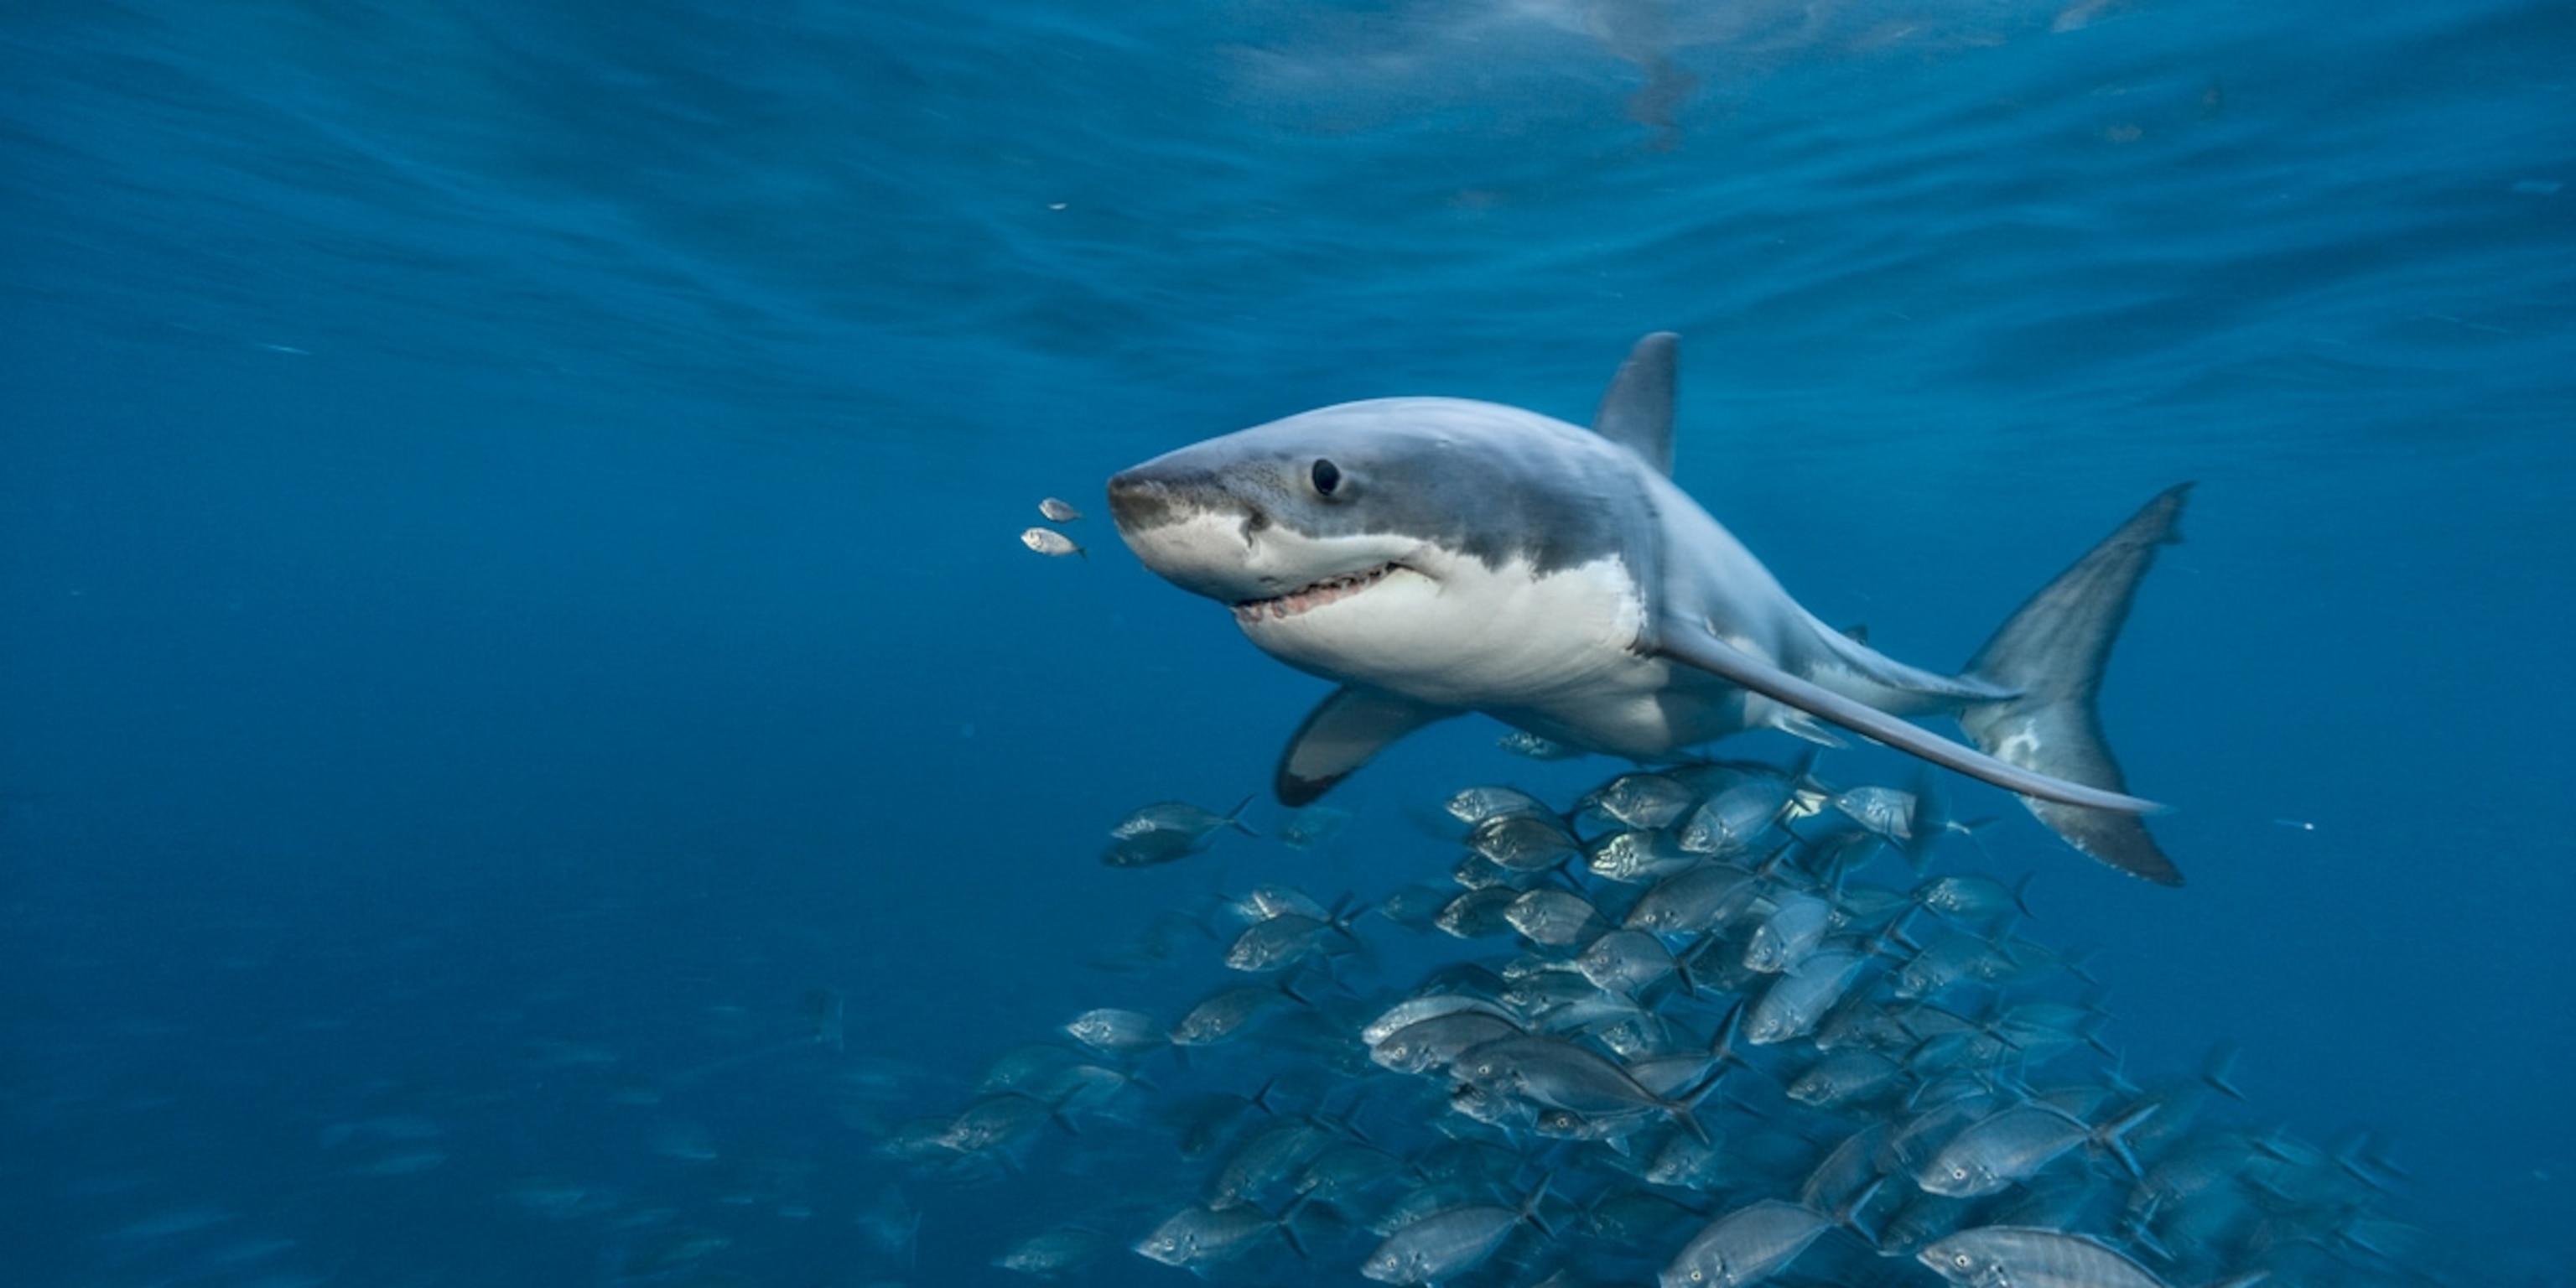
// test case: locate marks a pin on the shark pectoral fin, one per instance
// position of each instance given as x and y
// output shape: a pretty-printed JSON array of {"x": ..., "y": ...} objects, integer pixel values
[
  {"x": 1637, "y": 412},
  {"x": 1345, "y": 731},
  {"x": 1706, "y": 652}
]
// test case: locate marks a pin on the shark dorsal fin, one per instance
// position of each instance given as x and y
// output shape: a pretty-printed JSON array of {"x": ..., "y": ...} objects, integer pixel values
[{"x": 1637, "y": 413}]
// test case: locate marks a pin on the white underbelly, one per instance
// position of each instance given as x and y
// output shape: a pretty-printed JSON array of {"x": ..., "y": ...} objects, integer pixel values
[
  {"x": 1646, "y": 710},
  {"x": 1478, "y": 638},
  {"x": 1555, "y": 654}
]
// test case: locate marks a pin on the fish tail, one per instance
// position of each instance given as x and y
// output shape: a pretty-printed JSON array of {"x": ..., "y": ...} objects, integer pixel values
[
  {"x": 1288, "y": 1224},
  {"x": 2219, "y": 1071},
  {"x": 2052, "y": 652},
  {"x": 1684, "y": 1107},
  {"x": 1848, "y": 1214},
  {"x": 1688, "y": 1121},
  {"x": 1529, "y": 1206},
  {"x": 1721, "y": 1048},
  {"x": 1234, "y": 817},
  {"x": 2114, "y": 1136}
]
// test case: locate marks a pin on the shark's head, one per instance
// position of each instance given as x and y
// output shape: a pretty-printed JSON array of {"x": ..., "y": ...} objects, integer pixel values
[{"x": 1377, "y": 521}]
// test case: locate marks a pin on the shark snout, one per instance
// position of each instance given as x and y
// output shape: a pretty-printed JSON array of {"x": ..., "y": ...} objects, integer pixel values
[
  {"x": 1145, "y": 498},
  {"x": 1190, "y": 531},
  {"x": 1138, "y": 501}
]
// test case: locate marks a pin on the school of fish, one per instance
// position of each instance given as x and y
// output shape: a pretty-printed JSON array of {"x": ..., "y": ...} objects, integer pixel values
[{"x": 1715, "y": 1024}]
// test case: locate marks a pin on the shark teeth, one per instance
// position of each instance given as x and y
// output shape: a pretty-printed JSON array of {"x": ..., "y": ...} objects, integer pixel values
[{"x": 1305, "y": 598}]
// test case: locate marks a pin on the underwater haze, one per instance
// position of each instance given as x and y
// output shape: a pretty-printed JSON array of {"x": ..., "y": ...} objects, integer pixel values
[{"x": 532, "y": 750}]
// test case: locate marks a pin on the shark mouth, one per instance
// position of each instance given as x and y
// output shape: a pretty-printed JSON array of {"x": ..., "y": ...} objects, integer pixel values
[{"x": 1307, "y": 598}]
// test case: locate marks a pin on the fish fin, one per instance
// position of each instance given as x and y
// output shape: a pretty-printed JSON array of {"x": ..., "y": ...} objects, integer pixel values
[
  {"x": 1688, "y": 1121},
  {"x": 1288, "y": 1224},
  {"x": 2053, "y": 650},
  {"x": 1706, "y": 652},
  {"x": 1235, "y": 819},
  {"x": 2114, "y": 1136},
  {"x": 1260, "y": 1099},
  {"x": 2219, "y": 1071},
  {"x": 1345, "y": 731},
  {"x": 1529, "y": 1206},
  {"x": 1803, "y": 726},
  {"x": 1847, "y": 1214},
  {"x": 1637, "y": 411}
]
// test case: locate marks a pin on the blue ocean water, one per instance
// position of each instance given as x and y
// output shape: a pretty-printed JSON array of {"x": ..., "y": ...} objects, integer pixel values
[{"x": 511, "y": 574}]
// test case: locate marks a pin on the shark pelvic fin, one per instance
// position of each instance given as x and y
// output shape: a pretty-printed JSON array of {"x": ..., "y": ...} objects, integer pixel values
[
  {"x": 1345, "y": 731},
  {"x": 2052, "y": 651},
  {"x": 1637, "y": 412}
]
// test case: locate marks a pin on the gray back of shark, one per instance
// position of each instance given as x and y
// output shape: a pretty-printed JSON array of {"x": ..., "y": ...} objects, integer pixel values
[{"x": 1435, "y": 556}]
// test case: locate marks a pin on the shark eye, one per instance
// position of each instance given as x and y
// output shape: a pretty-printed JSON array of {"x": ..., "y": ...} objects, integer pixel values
[{"x": 1327, "y": 476}]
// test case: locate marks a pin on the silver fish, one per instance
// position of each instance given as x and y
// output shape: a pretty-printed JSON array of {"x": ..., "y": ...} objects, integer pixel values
[
  {"x": 1055, "y": 1253},
  {"x": 2026, "y": 1258},
  {"x": 1182, "y": 818},
  {"x": 1198, "y": 1238},
  {"x": 2013, "y": 1144},
  {"x": 1223, "y": 1015},
  {"x": 1167, "y": 831},
  {"x": 1745, "y": 1246},
  {"x": 1048, "y": 541},
  {"x": 1282, "y": 941},
  {"x": 1973, "y": 898},
  {"x": 1058, "y": 511},
  {"x": 1115, "y": 1032},
  {"x": 1560, "y": 1075},
  {"x": 1449, "y": 1243},
  {"x": 1263, "y": 902},
  {"x": 1687, "y": 1163},
  {"x": 1521, "y": 742},
  {"x": 1734, "y": 820},
  {"x": 1266, "y": 1160},
  {"x": 1478, "y": 913},
  {"x": 1636, "y": 856},
  {"x": 1797, "y": 924},
  {"x": 1435, "y": 1043},
  {"x": 1414, "y": 1010},
  {"x": 1796, "y": 1000},
  {"x": 1477, "y": 804},
  {"x": 1625, "y": 960},
  {"x": 1645, "y": 800},
  {"x": 1524, "y": 842},
  {"x": 1555, "y": 918},
  {"x": 996, "y": 1123},
  {"x": 1844, "y": 1077},
  {"x": 1313, "y": 827},
  {"x": 1690, "y": 901}
]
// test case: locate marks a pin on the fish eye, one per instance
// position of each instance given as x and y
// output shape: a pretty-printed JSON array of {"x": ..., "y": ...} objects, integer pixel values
[
  {"x": 1962, "y": 1260},
  {"x": 1327, "y": 476}
]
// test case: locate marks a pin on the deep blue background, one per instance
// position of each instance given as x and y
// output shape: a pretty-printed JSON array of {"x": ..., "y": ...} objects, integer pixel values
[{"x": 507, "y": 526}]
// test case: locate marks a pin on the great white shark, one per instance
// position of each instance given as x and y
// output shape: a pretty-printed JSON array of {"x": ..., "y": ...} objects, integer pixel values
[{"x": 1436, "y": 556}]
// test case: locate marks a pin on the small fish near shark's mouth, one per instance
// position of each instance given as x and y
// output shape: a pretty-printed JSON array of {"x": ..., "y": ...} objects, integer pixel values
[{"x": 1310, "y": 597}]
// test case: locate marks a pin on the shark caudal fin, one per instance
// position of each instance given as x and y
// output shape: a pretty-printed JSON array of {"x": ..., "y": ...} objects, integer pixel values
[{"x": 2052, "y": 650}]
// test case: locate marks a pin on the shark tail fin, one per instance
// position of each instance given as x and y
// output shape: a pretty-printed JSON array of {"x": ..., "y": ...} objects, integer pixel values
[{"x": 2053, "y": 650}]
